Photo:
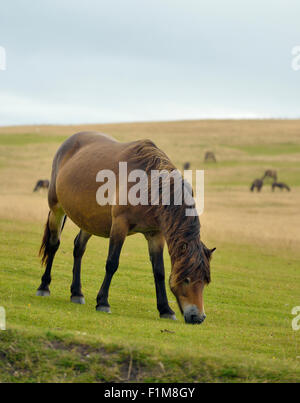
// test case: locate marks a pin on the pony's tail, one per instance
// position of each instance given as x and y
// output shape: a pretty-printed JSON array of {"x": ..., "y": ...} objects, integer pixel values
[
  {"x": 44, "y": 249},
  {"x": 252, "y": 188}
]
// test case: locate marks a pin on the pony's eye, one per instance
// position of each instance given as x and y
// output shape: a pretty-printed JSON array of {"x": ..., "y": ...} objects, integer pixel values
[
  {"x": 187, "y": 280},
  {"x": 184, "y": 247}
]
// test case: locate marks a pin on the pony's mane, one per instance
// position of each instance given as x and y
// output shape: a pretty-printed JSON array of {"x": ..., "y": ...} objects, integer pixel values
[
  {"x": 149, "y": 157},
  {"x": 181, "y": 231},
  {"x": 185, "y": 247}
]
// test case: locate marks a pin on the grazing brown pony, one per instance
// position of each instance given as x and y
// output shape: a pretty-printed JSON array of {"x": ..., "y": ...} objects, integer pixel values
[
  {"x": 281, "y": 186},
  {"x": 186, "y": 166},
  {"x": 41, "y": 184},
  {"x": 210, "y": 156},
  {"x": 258, "y": 184},
  {"x": 270, "y": 173},
  {"x": 72, "y": 193}
]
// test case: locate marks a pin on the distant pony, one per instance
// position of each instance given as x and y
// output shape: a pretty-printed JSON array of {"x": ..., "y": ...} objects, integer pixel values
[
  {"x": 281, "y": 186},
  {"x": 258, "y": 184},
  {"x": 186, "y": 166},
  {"x": 270, "y": 173},
  {"x": 41, "y": 184},
  {"x": 210, "y": 156}
]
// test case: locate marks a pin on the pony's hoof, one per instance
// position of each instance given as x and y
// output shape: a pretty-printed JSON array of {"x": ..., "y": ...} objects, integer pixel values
[
  {"x": 78, "y": 300},
  {"x": 171, "y": 316},
  {"x": 42, "y": 293},
  {"x": 103, "y": 308}
]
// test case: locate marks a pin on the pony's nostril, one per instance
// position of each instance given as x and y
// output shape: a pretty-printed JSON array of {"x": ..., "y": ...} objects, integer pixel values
[
  {"x": 195, "y": 319},
  {"x": 193, "y": 316}
]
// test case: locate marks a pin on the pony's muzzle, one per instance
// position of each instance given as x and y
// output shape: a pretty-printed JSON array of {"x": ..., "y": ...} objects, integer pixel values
[{"x": 193, "y": 316}]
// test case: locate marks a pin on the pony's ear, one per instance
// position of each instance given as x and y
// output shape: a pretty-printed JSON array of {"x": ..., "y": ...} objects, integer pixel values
[{"x": 208, "y": 252}]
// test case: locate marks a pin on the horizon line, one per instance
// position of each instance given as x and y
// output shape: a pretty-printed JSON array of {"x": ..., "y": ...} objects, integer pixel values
[{"x": 152, "y": 121}]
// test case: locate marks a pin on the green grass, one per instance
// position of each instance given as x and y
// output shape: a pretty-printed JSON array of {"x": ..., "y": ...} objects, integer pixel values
[{"x": 247, "y": 335}]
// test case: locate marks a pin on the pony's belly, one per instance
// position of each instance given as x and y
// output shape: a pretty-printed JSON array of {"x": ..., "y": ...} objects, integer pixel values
[
  {"x": 97, "y": 224},
  {"x": 82, "y": 208}
]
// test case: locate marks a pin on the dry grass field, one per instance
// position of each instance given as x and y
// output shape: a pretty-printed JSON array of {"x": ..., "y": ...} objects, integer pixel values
[{"x": 255, "y": 272}]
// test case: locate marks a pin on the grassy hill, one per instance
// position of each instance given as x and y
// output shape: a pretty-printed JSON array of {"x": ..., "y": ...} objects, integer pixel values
[{"x": 247, "y": 335}]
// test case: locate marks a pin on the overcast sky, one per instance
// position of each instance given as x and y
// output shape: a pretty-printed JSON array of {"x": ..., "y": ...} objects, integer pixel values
[{"x": 71, "y": 61}]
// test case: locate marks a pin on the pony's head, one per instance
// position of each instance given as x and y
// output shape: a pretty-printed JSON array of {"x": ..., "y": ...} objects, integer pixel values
[{"x": 190, "y": 274}]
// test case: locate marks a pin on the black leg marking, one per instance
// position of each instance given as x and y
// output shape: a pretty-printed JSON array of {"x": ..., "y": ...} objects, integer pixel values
[
  {"x": 117, "y": 236},
  {"x": 156, "y": 247},
  {"x": 50, "y": 244},
  {"x": 79, "y": 249},
  {"x": 111, "y": 267},
  {"x": 43, "y": 290}
]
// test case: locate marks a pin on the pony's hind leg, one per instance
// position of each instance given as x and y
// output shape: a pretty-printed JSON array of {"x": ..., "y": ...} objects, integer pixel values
[
  {"x": 50, "y": 244},
  {"x": 79, "y": 249}
]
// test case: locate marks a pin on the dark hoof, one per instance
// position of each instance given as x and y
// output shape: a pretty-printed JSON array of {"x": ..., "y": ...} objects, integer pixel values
[
  {"x": 168, "y": 316},
  {"x": 43, "y": 293},
  {"x": 78, "y": 300},
  {"x": 103, "y": 308}
]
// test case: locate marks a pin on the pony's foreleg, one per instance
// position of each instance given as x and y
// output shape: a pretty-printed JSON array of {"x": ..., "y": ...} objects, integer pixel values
[
  {"x": 79, "y": 249},
  {"x": 49, "y": 247},
  {"x": 118, "y": 234},
  {"x": 156, "y": 247}
]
